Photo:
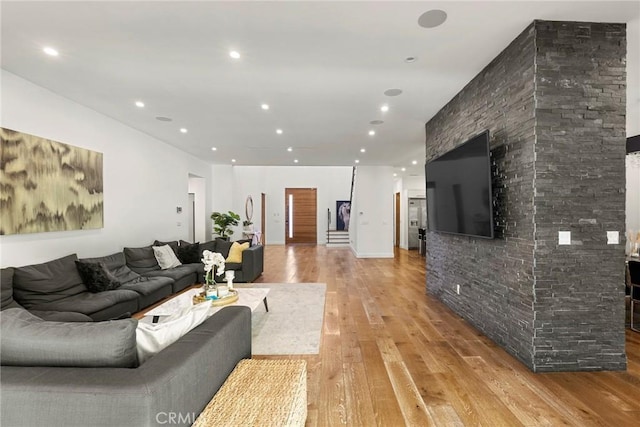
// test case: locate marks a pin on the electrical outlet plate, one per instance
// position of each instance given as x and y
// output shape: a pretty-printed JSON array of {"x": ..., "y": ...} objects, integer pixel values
[
  {"x": 613, "y": 238},
  {"x": 564, "y": 237}
]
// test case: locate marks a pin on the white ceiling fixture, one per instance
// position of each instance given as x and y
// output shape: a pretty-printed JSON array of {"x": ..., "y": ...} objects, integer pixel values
[
  {"x": 384, "y": 108},
  {"x": 357, "y": 161},
  {"x": 415, "y": 162},
  {"x": 184, "y": 130},
  {"x": 139, "y": 104},
  {"x": 279, "y": 131},
  {"x": 233, "y": 160},
  {"x": 50, "y": 51},
  {"x": 214, "y": 149},
  {"x": 234, "y": 54},
  {"x": 265, "y": 106},
  {"x": 295, "y": 160},
  {"x": 372, "y": 132},
  {"x": 362, "y": 150},
  {"x": 403, "y": 169},
  {"x": 290, "y": 149},
  {"x": 432, "y": 18}
]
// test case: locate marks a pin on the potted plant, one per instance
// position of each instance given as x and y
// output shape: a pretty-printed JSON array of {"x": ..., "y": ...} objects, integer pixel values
[
  {"x": 246, "y": 225},
  {"x": 223, "y": 223}
]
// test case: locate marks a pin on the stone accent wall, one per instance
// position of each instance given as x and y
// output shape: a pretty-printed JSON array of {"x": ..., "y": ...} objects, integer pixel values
[
  {"x": 579, "y": 187},
  {"x": 509, "y": 285}
]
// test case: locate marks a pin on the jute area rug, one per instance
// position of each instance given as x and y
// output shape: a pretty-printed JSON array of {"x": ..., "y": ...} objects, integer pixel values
[{"x": 293, "y": 324}]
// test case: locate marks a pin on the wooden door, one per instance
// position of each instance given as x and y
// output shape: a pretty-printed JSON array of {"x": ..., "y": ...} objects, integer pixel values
[
  {"x": 300, "y": 215},
  {"x": 397, "y": 243}
]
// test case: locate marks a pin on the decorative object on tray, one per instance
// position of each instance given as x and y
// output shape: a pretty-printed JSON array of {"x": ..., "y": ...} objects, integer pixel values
[
  {"x": 216, "y": 301},
  {"x": 229, "y": 275},
  {"x": 213, "y": 263}
]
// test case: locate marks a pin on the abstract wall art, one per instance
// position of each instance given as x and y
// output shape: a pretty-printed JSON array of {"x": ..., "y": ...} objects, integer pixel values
[{"x": 47, "y": 185}]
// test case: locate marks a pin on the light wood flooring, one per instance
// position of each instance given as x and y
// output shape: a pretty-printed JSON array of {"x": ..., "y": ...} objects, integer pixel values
[{"x": 391, "y": 356}]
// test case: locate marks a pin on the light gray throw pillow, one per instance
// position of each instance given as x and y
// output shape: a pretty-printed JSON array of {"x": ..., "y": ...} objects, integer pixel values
[{"x": 27, "y": 340}]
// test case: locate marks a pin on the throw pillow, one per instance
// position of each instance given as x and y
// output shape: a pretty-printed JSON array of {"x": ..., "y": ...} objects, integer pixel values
[
  {"x": 27, "y": 340},
  {"x": 235, "y": 253},
  {"x": 172, "y": 244},
  {"x": 166, "y": 257},
  {"x": 96, "y": 276},
  {"x": 153, "y": 337},
  {"x": 223, "y": 247},
  {"x": 189, "y": 254}
]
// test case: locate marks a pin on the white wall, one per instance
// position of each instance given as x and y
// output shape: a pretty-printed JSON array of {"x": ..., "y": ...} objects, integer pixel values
[
  {"x": 144, "y": 179},
  {"x": 332, "y": 184},
  {"x": 372, "y": 212},
  {"x": 198, "y": 186},
  {"x": 633, "y": 194}
]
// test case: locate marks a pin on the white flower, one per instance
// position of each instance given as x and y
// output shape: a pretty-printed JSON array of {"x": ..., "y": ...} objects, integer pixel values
[{"x": 211, "y": 260}]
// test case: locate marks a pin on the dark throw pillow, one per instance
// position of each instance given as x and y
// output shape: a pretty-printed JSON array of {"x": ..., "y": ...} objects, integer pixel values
[
  {"x": 96, "y": 276},
  {"x": 189, "y": 254},
  {"x": 223, "y": 247}
]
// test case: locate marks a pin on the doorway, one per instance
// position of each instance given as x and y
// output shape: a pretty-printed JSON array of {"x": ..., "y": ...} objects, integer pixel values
[
  {"x": 397, "y": 240},
  {"x": 300, "y": 206}
]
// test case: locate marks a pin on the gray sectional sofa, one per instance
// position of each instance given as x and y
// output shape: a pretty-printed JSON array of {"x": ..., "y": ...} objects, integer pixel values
[
  {"x": 171, "y": 388},
  {"x": 47, "y": 380}
]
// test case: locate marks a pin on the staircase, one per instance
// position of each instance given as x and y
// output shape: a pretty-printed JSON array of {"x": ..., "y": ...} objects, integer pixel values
[{"x": 337, "y": 238}]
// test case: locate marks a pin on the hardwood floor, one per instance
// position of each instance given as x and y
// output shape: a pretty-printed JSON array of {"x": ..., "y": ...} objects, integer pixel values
[{"x": 391, "y": 355}]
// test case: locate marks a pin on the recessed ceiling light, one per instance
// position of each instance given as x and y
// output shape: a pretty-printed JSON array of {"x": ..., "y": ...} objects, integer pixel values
[
  {"x": 139, "y": 104},
  {"x": 233, "y": 160},
  {"x": 415, "y": 162},
  {"x": 295, "y": 160},
  {"x": 432, "y": 18},
  {"x": 362, "y": 150},
  {"x": 265, "y": 106},
  {"x": 384, "y": 108},
  {"x": 164, "y": 119},
  {"x": 395, "y": 174},
  {"x": 279, "y": 131},
  {"x": 357, "y": 161},
  {"x": 234, "y": 54},
  {"x": 393, "y": 92},
  {"x": 403, "y": 169},
  {"x": 50, "y": 51},
  {"x": 184, "y": 130},
  {"x": 410, "y": 59},
  {"x": 214, "y": 149},
  {"x": 372, "y": 132},
  {"x": 290, "y": 149},
  {"x": 376, "y": 122}
]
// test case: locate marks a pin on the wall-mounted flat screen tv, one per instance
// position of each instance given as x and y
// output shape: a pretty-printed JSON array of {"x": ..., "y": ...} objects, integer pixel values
[{"x": 459, "y": 196}]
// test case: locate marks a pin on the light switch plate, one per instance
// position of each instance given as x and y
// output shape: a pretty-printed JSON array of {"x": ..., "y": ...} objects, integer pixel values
[
  {"x": 564, "y": 237},
  {"x": 613, "y": 237}
]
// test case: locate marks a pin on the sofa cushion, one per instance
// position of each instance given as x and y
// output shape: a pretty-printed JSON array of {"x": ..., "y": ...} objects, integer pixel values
[
  {"x": 235, "y": 253},
  {"x": 189, "y": 253},
  {"x": 30, "y": 341},
  {"x": 223, "y": 247},
  {"x": 61, "y": 316},
  {"x": 211, "y": 245},
  {"x": 47, "y": 282},
  {"x": 96, "y": 276},
  {"x": 141, "y": 260},
  {"x": 89, "y": 303},
  {"x": 6, "y": 292},
  {"x": 166, "y": 257},
  {"x": 173, "y": 244},
  {"x": 153, "y": 337},
  {"x": 116, "y": 264}
]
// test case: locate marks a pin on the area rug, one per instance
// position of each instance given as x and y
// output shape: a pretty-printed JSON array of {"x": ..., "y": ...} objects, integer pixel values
[{"x": 293, "y": 324}]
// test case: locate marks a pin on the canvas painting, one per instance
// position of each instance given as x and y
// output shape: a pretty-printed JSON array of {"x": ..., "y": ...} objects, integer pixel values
[
  {"x": 47, "y": 185},
  {"x": 343, "y": 214}
]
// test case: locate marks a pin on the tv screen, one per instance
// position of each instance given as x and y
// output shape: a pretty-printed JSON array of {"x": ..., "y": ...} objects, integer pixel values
[{"x": 459, "y": 197}]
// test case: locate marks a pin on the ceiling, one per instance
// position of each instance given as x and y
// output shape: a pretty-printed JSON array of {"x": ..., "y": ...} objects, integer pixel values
[{"x": 322, "y": 67}]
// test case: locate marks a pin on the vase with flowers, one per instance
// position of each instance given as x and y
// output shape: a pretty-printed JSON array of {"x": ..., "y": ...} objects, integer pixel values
[{"x": 213, "y": 264}]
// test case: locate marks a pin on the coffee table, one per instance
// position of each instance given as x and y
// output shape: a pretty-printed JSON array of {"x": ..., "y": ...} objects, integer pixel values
[{"x": 250, "y": 297}]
